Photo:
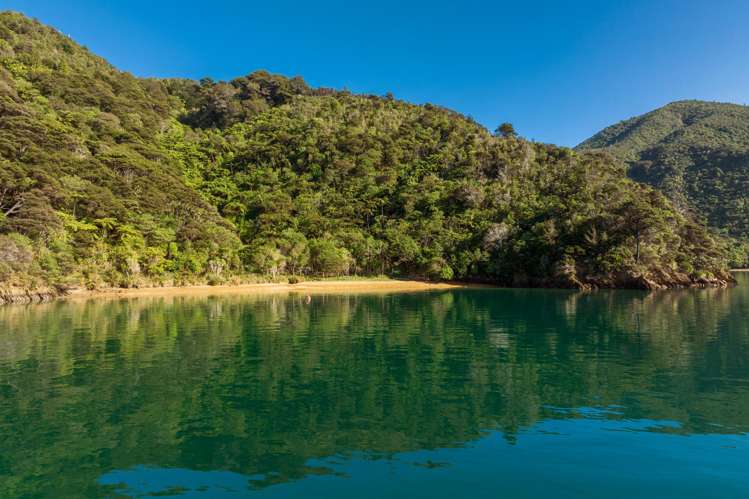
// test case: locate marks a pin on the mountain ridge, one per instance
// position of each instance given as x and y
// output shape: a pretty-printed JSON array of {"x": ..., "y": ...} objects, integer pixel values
[
  {"x": 113, "y": 180},
  {"x": 696, "y": 152}
]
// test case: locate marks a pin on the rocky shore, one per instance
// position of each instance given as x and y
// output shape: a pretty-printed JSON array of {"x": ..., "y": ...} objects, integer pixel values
[
  {"x": 654, "y": 282},
  {"x": 21, "y": 295}
]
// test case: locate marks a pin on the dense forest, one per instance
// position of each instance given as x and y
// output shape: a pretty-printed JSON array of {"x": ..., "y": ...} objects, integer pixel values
[
  {"x": 111, "y": 180},
  {"x": 695, "y": 152}
]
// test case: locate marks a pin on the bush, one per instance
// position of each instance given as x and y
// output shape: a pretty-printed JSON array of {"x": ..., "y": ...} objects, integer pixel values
[
  {"x": 5, "y": 272},
  {"x": 16, "y": 257},
  {"x": 215, "y": 280},
  {"x": 446, "y": 273},
  {"x": 438, "y": 269}
]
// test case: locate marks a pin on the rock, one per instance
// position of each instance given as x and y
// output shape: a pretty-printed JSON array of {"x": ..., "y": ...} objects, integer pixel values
[{"x": 37, "y": 295}]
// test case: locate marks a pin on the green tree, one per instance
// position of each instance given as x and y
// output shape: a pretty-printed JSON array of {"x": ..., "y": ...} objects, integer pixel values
[
  {"x": 327, "y": 258},
  {"x": 505, "y": 130}
]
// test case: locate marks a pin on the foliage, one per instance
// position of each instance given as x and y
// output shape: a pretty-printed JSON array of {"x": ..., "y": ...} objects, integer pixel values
[
  {"x": 125, "y": 181},
  {"x": 81, "y": 172},
  {"x": 418, "y": 190},
  {"x": 696, "y": 152}
]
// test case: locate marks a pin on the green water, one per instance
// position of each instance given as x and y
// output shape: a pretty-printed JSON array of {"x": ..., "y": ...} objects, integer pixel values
[{"x": 472, "y": 393}]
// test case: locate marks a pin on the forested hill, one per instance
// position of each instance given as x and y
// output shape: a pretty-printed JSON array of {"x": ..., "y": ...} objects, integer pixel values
[
  {"x": 111, "y": 180},
  {"x": 696, "y": 152}
]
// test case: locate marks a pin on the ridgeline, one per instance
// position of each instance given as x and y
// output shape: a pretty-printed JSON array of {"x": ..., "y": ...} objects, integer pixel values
[
  {"x": 111, "y": 180},
  {"x": 697, "y": 153}
]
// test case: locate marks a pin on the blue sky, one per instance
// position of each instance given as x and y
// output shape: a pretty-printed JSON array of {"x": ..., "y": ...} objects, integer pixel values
[{"x": 558, "y": 70}]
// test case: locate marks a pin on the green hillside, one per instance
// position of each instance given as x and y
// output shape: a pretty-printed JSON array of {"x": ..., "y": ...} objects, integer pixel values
[
  {"x": 111, "y": 180},
  {"x": 696, "y": 152},
  {"x": 87, "y": 192}
]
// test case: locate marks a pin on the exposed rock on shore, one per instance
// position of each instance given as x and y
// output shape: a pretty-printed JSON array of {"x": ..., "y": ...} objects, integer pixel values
[
  {"x": 22, "y": 295},
  {"x": 652, "y": 280}
]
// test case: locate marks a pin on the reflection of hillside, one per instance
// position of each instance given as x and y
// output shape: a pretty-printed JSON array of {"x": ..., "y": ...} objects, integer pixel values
[{"x": 261, "y": 384}]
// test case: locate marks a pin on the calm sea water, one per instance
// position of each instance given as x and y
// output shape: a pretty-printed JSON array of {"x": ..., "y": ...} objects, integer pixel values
[{"x": 469, "y": 393}]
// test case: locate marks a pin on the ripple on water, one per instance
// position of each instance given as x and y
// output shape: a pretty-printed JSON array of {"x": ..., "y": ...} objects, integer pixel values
[{"x": 614, "y": 394}]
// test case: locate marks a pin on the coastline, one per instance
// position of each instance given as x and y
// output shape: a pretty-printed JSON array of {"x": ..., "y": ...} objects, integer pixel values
[
  {"x": 307, "y": 287},
  {"x": 329, "y": 286}
]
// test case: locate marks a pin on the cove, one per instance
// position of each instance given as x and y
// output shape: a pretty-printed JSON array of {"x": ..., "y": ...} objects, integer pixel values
[{"x": 477, "y": 392}]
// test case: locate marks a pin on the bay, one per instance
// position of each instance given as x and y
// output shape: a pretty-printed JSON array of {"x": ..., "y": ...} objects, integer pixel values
[{"x": 472, "y": 392}]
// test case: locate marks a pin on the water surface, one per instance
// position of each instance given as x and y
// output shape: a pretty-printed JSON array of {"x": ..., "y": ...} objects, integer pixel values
[{"x": 474, "y": 393}]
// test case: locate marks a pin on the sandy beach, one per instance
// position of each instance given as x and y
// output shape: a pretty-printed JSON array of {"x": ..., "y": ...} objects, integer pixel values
[{"x": 310, "y": 288}]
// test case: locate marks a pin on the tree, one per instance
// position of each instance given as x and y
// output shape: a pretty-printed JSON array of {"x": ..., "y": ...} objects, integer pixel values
[
  {"x": 266, "y": 258},
  {"x": 638, "y": 219},
  {"x": 295, "y": 248},
  {"x": 13, "y": 184},
  {"x": 328, "y": 258},
  {"x": 505, "y": 130}
]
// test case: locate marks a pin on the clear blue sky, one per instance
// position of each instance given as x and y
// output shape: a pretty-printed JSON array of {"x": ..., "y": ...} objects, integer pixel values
[{"x": 558, "y": 70}]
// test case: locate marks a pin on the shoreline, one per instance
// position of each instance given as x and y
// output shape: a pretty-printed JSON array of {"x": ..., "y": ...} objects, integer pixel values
[
  {"x": 327, "y": 286},
  {"x": 307, "y": 287}
]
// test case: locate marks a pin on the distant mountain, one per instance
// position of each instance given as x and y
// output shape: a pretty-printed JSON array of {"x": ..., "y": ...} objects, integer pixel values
[
  {"x": 696, "y": 152},
  {"x": 111, "y": 180}
]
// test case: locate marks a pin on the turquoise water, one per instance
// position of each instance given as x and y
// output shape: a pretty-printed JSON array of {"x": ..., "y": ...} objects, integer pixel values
[{"x": 474, "y": 393}]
